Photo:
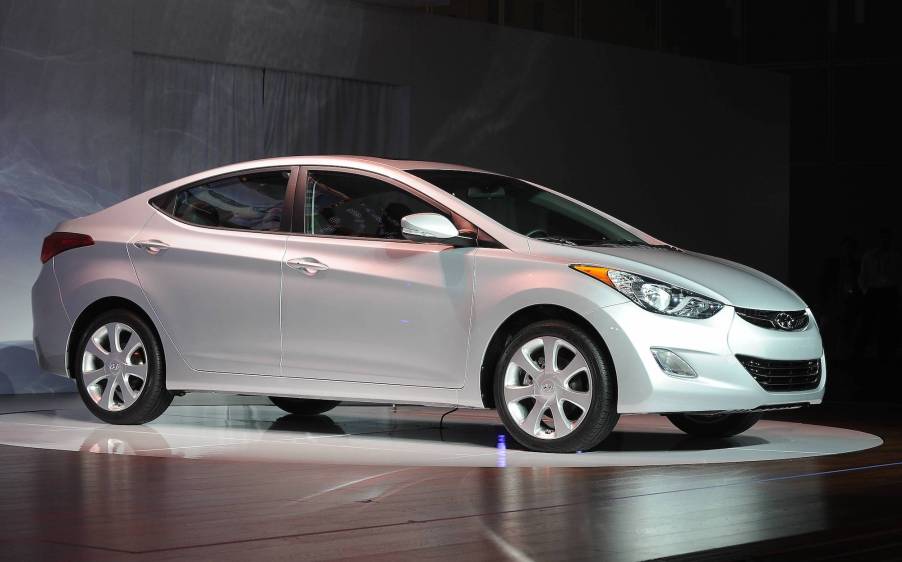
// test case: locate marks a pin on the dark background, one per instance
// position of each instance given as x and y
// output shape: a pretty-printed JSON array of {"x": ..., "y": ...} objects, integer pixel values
[
  {"x": 842, "y": 58},
  {"x": 757, "y": 130},
  {"x": 102, "y": 99}
]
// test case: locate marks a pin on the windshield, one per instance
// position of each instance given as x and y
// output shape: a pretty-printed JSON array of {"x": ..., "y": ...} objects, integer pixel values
[{"x": 529, "y": 210}]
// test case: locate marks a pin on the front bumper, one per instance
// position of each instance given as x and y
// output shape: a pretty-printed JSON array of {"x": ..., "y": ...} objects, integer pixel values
[{"x": 710, "y": 346}]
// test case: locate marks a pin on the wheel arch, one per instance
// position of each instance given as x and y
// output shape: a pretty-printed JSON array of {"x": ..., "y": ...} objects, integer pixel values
[
  {"x": 95, "y": 309},
  {"x": 517, "y": 321}
]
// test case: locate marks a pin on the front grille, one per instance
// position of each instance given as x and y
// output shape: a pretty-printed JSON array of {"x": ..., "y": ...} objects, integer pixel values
[
  {"x": 788, "y": 321},
  {"x": 783, "y": 376}
]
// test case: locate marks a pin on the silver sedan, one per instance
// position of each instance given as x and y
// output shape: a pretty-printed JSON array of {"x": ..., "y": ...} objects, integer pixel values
[{"x": 314, "y": 280}]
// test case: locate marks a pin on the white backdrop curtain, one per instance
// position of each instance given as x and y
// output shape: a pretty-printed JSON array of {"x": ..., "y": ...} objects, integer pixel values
[{"x": 190, "y": 116}]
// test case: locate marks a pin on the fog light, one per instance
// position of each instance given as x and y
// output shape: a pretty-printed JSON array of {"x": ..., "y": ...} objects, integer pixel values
[{"x": 672, "y": 364}]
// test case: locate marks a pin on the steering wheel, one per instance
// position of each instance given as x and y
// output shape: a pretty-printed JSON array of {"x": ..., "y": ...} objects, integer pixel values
[{"x": 536, "y": 233}]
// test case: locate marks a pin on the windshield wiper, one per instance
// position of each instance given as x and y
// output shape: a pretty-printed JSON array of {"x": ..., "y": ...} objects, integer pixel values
[
  {"x": 556, "y": 240},
  {"x": 621, "y": 243},
  {"x": 588, "y": 242},
  {"x": 636, "y": 244}
]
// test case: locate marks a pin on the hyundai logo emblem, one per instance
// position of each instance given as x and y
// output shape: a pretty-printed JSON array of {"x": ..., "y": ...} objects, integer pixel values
[{"x": 784, "y": 321}]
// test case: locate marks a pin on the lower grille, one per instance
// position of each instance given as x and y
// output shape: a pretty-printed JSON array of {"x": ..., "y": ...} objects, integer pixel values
[{"x": 783, "y": 376}]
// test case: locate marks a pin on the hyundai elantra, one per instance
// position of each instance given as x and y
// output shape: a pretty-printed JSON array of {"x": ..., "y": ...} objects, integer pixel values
[{"x": 314, "y": 280}]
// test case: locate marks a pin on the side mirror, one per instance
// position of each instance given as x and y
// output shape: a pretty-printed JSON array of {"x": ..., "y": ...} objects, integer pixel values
[{"x": 433, "y": 227}]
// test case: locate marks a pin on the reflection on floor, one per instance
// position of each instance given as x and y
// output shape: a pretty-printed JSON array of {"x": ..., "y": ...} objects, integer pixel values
[{"x": 251, "y": 429}]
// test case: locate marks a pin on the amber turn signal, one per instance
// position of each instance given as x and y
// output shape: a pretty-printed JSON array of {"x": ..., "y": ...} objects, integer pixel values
[{"x": 600, "y": 273}]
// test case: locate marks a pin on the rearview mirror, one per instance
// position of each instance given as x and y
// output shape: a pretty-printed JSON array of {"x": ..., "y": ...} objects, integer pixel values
[{"x": 432, "y": 227}]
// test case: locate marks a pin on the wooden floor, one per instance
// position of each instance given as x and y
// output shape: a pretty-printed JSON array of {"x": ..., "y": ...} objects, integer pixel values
[{"x": 60, "y": 505}]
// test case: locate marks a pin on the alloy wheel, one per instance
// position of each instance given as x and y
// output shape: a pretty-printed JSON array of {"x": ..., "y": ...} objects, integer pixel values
[
  {"x": 114, "y": 366},
  {"x": 548, "y": 387}
]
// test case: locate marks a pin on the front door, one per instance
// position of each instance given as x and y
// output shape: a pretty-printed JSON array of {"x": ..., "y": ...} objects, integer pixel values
[
  {"x": 210, "y": 263},
  {"x": 359, "y": 302}
]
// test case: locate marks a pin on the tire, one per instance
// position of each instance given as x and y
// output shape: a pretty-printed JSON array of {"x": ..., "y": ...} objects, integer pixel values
[
  {"x": 715, "y": 425},
  {"x": 106, "y": 365},
  {"x": 518, "y": 394},
  {"x": 303, "y": 406}
]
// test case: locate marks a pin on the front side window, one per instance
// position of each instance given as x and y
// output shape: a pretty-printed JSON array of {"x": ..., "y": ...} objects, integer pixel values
[
  {"x": 529, "y": 210},
  {"x": 345, "y": 204},
  {"x": 247, "y": 202}
]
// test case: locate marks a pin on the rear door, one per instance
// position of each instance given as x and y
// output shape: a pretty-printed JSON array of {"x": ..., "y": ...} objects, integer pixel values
[{"x": 210, "y": 263}]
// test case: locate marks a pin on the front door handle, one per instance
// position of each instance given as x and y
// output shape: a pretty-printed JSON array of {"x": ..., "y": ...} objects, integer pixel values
[
  {"x": 152, "y": 247},
  {"x": 310, "y": 266}
]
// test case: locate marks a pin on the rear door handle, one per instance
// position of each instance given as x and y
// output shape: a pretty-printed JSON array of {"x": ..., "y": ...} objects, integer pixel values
[
  {"x": 152, "y": 247},
  {"x": 310, "y": 266}
]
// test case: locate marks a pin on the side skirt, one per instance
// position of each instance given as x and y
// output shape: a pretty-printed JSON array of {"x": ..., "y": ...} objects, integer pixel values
[{"x": 292, "y": 387}]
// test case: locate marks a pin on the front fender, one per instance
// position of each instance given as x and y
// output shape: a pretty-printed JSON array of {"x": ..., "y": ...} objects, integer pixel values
[{"x": 506, "y": 283}]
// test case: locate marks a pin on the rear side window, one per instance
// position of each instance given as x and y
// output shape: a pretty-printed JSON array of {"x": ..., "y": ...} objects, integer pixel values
[
  {"x": 345, "y": 204},
  {"x": 246, "y": 202}
]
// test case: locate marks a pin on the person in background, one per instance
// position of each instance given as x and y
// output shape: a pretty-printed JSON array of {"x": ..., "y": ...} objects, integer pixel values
[{"x": 879, "y": 281}]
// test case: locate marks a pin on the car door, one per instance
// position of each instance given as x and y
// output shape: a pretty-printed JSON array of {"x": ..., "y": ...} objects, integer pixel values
[
  {"x": 210, "y": 263},
  {"x": 359, "y": 302}
]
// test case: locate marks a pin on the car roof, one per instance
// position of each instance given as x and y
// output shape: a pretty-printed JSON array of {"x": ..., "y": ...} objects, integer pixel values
[
  {"x": 393, "y": 168},
  {"x": 370, "y": 163},
  {"x": 406, "y": 165},
  {"x": 387, "y": 166},
  {"x": 346, "y": 160}
]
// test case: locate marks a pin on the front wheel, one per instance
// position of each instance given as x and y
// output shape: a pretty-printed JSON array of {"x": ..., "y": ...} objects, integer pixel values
[
  {"x": 118, "y": 365},
  {"x": 555, "y": 391},
  {"x": 714, "y": 425}
]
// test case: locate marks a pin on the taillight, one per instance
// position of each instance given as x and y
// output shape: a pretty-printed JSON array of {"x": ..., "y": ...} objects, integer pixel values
[{"x": 58, "y": 242}]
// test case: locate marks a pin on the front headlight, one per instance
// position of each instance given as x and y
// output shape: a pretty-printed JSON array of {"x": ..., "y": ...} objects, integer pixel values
[{"x": 653, "y": 295}]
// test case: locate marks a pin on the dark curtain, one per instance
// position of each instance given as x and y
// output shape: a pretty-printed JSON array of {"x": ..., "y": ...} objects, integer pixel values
[
  {"x": 308, "y": 114},
  {"x": 190, "y": 116}
]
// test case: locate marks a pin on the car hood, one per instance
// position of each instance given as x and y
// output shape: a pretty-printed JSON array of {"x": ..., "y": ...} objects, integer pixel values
[{"x": 728, "y": 282}]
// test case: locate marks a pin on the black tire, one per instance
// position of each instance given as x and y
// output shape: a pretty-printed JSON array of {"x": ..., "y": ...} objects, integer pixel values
[
  {"x": 714, "y": 425},
  {"x": 303, "y": 406},
  {"x": 154, "y": 397},
  {"x": 601, "y": 416}
]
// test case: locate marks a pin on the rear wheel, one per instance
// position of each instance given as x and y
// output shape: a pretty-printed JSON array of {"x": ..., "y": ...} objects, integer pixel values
[
  {"x": 714, "y": 425},
  {"x": 303, "y": 406},
  {"x": 554, "y": 390},
  {"x": 118, "y": 365}
]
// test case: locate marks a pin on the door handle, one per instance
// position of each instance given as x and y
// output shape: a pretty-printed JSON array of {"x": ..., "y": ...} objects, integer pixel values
[
  {"x": 152, "y": 247},
  {"x": 310, "y": 266}
]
